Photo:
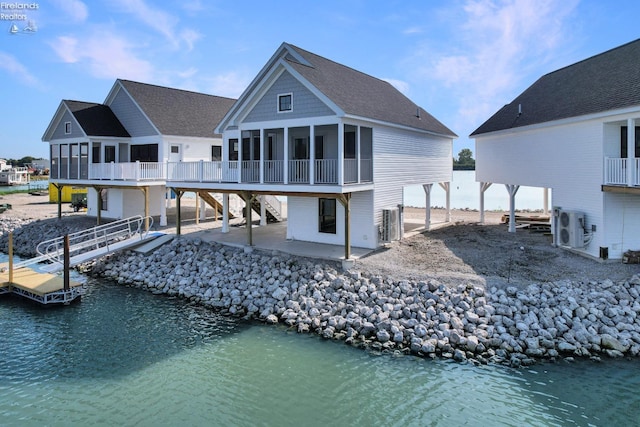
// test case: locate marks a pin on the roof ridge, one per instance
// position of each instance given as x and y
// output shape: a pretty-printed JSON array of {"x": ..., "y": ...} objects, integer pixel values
[
  {"x": 592, "y": 57},
  {"x": 173, "y": 88},
  {"x": 340, "y": 64}
]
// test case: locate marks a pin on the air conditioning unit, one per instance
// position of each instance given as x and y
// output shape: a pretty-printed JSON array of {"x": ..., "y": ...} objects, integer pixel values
[
  {"x": 571, "y": 229},
  {"x": 389, "y": 230}
]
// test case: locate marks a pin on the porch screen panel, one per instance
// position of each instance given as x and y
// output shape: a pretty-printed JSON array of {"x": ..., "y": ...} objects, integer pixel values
[
  {"x": 54, "y": 155},
  {"x": 84, "y": 160},
  {"x": 64, "y": 161},
  {"x": 74, "y": 162}
]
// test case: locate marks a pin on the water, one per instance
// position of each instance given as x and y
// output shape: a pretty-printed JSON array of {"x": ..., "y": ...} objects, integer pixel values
[
  {"x": 465, "y": 194},
  {"x": 33, "y": 185},
  {"x": 123, "y": 356}
]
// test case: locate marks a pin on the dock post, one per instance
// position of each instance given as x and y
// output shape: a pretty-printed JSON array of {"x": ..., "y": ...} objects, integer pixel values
[
  {"x": 10, "y": 257},
  {"x": 66, "y": 262}
]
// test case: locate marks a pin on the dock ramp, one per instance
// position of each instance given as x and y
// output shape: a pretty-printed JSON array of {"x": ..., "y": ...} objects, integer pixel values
[{"x": 92, "y": 243}]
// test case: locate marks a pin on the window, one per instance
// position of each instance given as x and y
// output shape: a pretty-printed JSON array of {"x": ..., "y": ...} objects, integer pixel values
[
  {"x": 285, "y": 102},
  {"x": 175, "y": 149},
  {"x": 233, "y": 149},
  {"x": 145, "y": 153},
  {"x": 216, "y": 153},
  {"x": 327, "y": 213},
  {"x": 623, "y": 142},
  {"x": 300, "y": 149},
  {"x": 67, "y": 128}
]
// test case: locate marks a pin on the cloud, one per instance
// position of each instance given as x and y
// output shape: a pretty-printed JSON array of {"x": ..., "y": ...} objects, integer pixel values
[
  {"x": 75, "y": 9},
  {"x": 230, "y": 85},
  {"x": 497, "y": 47},
  {"x": 162, "y": 22},
  {"x": 16, "y": 69},
  {"x": 105, "y": 54}
]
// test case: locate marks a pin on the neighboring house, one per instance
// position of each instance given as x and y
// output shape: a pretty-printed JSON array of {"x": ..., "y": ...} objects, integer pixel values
[
  {"x": 340, "y": 144},
  {"x": 121, "y": 149},
  {"x": 577, "y": 131}
]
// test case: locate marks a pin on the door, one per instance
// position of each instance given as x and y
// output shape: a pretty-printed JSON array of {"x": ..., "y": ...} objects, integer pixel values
[{"x": 175, "y": 153}]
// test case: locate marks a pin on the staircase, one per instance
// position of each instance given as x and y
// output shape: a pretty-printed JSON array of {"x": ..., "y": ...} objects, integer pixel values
[
  {"x": 214, "y": 203},
  {"x": 273, "y": 207}
]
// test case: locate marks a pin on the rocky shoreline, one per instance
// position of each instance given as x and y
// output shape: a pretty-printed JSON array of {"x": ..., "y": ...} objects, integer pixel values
[
  {"x": 508, "y": 326},
  {"x": 513, "y": 325}
]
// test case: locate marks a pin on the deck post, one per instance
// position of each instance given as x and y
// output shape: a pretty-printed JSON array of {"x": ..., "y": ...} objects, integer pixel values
[
  {"x": 59, "y": 188},
  {"x": 10, "y": 257},
  {"x": 145, "y": 190},
  {"x": 198, "y": 204},
  {"x": 484, "y": 186},
  {"x": 512, "y": 189},
  {"x": 99, "y": 198},
  {"x": 67, "y": 262},
  {"x": 247, "y": 196},
  {"x": 427, "y": 202},
  {"x": 179, "y": 194},
  {"x": 446, "y": 186},
  {"x": 345, "y": 200},
  {"x": 225, "y": 213}
]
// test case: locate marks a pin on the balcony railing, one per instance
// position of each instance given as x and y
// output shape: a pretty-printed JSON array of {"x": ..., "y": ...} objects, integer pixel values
[
  {"x": 325, "y": 171},
  {"x": 616, "y": 171}
]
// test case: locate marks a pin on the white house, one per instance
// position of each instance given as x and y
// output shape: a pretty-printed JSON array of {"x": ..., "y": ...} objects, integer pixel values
[
  {"x": 576, "y": 131},
  {"x": 120, "y": 149},
  {"x": 340, "y": 144}
]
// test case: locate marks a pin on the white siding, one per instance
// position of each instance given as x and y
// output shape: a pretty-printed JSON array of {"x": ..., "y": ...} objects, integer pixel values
[
  {"x": 302, "y": 221},
  {"x": 125, "y": 203},
  {"x": 403, "y": 158},
  {"x": 621, "y": 231},
  {"x": 568, "y": 159}
]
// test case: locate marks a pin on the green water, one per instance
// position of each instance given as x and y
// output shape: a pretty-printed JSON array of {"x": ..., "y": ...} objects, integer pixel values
[{"x": 126, "y": 357}]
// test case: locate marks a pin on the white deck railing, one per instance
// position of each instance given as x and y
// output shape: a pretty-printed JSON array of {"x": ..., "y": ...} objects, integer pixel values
[
  {"x": 325, "y": 171},
  {"x": 616, "y": 171}
]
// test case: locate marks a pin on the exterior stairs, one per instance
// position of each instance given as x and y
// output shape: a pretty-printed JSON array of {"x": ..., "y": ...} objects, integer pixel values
[{"x": 273, "y": 207}]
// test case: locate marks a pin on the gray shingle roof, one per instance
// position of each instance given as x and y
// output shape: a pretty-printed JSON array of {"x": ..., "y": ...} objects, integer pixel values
[
  {"x": 179, "y": 112},
  {"x": 608, "y": 81},
  {"x": 361, "y": 95},
  {"x": 96, "y": 119}
]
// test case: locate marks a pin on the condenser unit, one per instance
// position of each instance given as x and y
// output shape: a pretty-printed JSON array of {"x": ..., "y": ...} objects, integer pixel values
[
  {"x": 571, "y": 229},
  {"x": 389, "y": 230}
]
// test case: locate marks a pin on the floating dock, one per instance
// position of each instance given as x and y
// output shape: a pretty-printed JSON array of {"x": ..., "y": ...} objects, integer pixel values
[{"x": 43, "y": 288}]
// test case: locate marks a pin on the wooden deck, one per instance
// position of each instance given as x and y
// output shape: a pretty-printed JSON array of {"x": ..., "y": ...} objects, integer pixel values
[{"x": 44, "y": 288}]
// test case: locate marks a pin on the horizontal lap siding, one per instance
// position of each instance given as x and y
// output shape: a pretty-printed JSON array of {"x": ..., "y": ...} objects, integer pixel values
[
  {"x": 568, "y": 159},
  {"x": 305, "y": 103},
  {"x": 303, "y": 220},
  {"x": 622, "y": 227},
  {"x": 130, "y": 116},
  {"x": 404, "y": 158}
]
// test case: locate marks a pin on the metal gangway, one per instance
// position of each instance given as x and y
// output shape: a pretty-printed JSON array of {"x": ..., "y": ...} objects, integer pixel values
[{"x": 92, "y": 243}]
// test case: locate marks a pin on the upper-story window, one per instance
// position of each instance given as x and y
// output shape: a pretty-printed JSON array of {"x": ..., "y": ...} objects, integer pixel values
[
  {"x": 285, "y": 102},
  {"x": 67, "y": 128}
]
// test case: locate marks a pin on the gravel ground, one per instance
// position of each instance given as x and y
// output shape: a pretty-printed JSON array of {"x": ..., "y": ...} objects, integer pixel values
[
  {"x": 462, "y": 253},
  {"x": 489, "y": 255}
]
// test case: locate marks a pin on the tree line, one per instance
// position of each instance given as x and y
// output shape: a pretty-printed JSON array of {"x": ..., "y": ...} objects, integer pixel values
[{"x": 465, "y": 161}]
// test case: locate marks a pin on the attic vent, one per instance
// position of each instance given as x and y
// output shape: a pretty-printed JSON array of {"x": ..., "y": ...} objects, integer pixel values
[
  {"x": 418, "y": 112},
  {"x": 519, "y": 110}
]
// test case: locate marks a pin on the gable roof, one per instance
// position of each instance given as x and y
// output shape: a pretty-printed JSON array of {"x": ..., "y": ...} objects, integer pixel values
[
  {"x": 96, "y": 119},
  {"x": 176, "y": 111},
  {"x": 608, "y": 81},
  {"x": 353, "y": 92}
]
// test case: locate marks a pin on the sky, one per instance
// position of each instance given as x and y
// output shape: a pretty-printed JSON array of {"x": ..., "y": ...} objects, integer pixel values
[{"x": 460, "y": 60}]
